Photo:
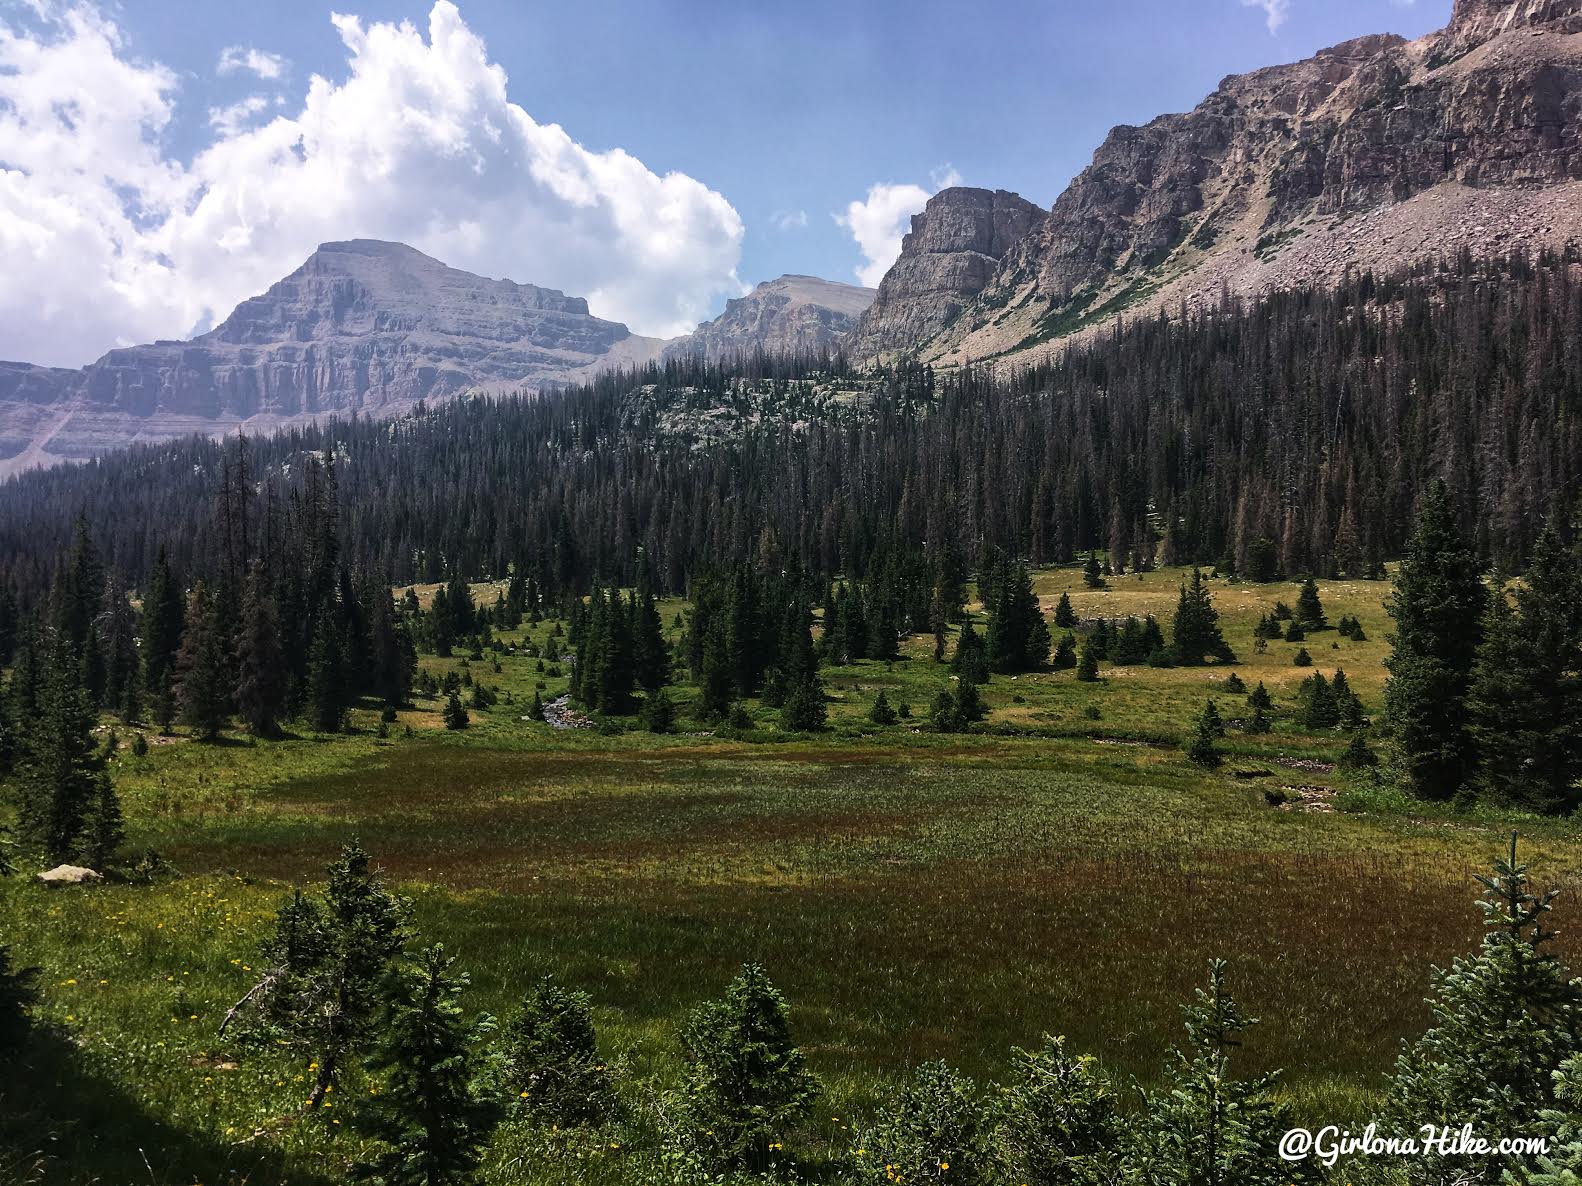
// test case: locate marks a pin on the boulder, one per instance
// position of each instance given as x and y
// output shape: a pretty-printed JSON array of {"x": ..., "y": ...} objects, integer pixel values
[{"x": 70, "y": 875}]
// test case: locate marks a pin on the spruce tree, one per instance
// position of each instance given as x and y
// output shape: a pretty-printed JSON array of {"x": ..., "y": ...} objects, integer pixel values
[
  {"x": 1018, "y": 636},
  {"x": 551, "y": 1066},
  {"x": 970, "y": 661},
  {"x": 427, "y": 1118},
  {"x": 1088, "y": 664},
  {"x": 1060, "y": 1120},
  {"x": 1309, "y": 608},
  {"x": 455, "y": 715},
  {"x": 1201, "y": 749},
  {"x": 747, "y": 1081},
  {"x": 1092, "y": 573},
  {"x": 1205, "y": 1126},
  {"x": 327, "y": 691},
  {"x": 1195, "y": 632},
  {"x": 327, "y": 958},
  {"x": 202, "y": 689},
  {"x": 1505, "y": 1020},
  {"x": 650, "y": 654},
  {"x": 1525, "y": 697},
  {"x": 160, "y": 637},
  {"x": 1065, "y": 616},
  {"x": 658, "y": 712},
  {"x": 1438, "y": 607},
  {"x": 65, "y": 804},
  {"x": 881, "y": 713},
  {"x": 1065, "y": 656}
]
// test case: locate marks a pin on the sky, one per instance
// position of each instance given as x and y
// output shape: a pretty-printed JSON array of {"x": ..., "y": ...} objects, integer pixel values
[{"x": 161, "y": 160}]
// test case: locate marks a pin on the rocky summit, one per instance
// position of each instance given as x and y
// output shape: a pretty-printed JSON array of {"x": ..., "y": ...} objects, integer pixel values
[
  {"x": 1375, "y": 153},
  {"x": 951, "y": 254},
  {"x": 362, "y": 326},
  {"x": 791, "y": 315}
]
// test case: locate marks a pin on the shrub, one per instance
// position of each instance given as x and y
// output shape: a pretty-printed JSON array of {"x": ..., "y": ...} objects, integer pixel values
[
  {"x": 1059, "y": 1120},
  {"x": 930, "y": 1129}
]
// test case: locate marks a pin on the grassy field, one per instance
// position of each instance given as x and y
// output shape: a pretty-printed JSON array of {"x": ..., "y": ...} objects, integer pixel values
[{"x": 914, "y": 895}]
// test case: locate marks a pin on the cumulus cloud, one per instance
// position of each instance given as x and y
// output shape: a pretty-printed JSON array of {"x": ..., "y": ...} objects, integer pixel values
[
  {"x": 1275, "y": 12},
  {"x": 880, "y": 221},
  {"x": 232, "y": 118},
  {"x": 789, "y": 220},
  {"x": 236, "y": 58},
  {"x": 107, "y": 240}
]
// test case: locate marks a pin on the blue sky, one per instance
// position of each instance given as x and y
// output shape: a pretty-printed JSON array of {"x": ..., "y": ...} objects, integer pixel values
[{"x": 787, "y": 113}]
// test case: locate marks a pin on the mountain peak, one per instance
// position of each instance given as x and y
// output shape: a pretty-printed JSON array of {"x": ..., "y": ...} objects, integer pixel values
[
  {"x": 791, "y": 314},
  {"x": 1474, "y": 22}
]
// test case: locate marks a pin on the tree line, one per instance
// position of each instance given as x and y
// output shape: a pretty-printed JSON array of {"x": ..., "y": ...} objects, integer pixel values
[{"x": 1292, "y": 434}]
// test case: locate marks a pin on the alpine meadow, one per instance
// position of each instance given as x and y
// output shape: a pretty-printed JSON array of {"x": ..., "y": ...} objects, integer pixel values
[{"x": 1096, "y": 703}]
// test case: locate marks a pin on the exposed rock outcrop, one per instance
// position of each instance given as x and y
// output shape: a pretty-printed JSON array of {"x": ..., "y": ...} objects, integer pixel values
[
  {"x": 363, "y": 326},
  {"x": 951, "y": 254},
  {"x": 791, "y": 315},
  {"x": 1253, "y": 188}
]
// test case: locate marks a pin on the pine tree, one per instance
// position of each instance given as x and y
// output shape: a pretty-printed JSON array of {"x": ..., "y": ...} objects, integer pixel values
[
  {"x": 160, "y": 635},
  {"x": 120, "y": 651},
  {"x": 535, "y": 711},
  {"x": 1061, "y": 1123},
  {"x": 1319, "y": 709},
  {"x": 1018, "y": 636},
  {"x": 1065, "y": 616},
  {"x": 970, "y": 661},
  {"x": 881, "y": 713},
  {"x": 327, "y": 959},
  {"x": 328, "y": 696},
  {"x": 1088, "y": 664},
  {"x": 658, "y": 713},
  {"x": 455, "y": 715},
  {"x": 1524, "y": 701},
  {"x": 1438, "y": 607},
  {"x": 651, "y": 656},
  {"x": 1092, "y": 574},
  {"x": 932, "y": 1128},
  {"x": 429, "y": 1121},
  {"x": 202, "y": 689},
  {"x": 1202, "y": 750},
  {"x": 65, "y": 804},
  {"x": 1505, "y": 1020},
  {"x": 1309, "y": 609},
  {"x": 1195, "y": 632},
  {"x": 1065, "y": 656},
  {"x": 747, "y": 1082},
  {"x": 551, "y": 1064},
  {"x": 1205, "y": 1126}
]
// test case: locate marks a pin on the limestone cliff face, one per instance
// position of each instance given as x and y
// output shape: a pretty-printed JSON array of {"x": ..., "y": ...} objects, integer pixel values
[
  {"x": 952, "y": 253},
  {"x": 363, "y": 326},
  {"x": 791, "y": 315},
  {"x": 1470, "y": 137}
]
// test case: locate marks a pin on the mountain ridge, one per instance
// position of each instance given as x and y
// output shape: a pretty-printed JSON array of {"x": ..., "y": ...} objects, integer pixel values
[{"x": 1467, "y": 138}]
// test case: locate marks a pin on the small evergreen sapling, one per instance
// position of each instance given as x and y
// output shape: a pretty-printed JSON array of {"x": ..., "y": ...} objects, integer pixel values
[
  {"x": 1505, "y": 1020},
  {"x": 428, "y": 1120},
  {"x": 747, "y": 1082},
  {"x": 881, "y": 713},
  {"x": 1060, "y": 1121},
  {"x": 455, "y": 715},
  {"x": 1201, "y": 749},
  {"x": 1205, "y": 1126},
  {"x": 551, "y": 1069}
]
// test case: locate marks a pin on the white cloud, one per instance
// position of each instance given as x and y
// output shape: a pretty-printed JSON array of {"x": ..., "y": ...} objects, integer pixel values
[
  {"x": 231, "y": 119},
  {"x": 1275, "y": 12},
  {"x": 109, "y": 241},
  {"x": 789, "y": 220},
  {"x": 268, "y": 66},
  {"x": 880, "y": 221}
]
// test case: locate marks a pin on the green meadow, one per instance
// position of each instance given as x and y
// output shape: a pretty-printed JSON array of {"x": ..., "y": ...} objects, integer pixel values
[{"x": 915, "y": 895}]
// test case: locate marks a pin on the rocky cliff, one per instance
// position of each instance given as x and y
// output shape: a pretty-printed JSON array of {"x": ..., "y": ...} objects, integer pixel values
[
  {"x": 1373, "y": 153},
  {"x": 951, "y": 254},
  {"x": 791, "y": 315},
  {"x": 363, "y": 326}
]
